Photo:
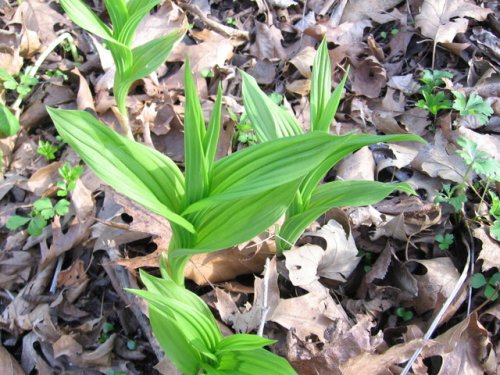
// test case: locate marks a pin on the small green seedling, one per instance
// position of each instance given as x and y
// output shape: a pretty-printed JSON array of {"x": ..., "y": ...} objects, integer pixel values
[
  {"x": 367, "y": 260},
  {"x": 490, "y": 285},
  {"x": 207, "y": 73},
  {"x": 404, "y": 314},
  {"x": 475, "y": 105},
  {"x": 47, "y": 149},
  {"x": 69, "y": 177},
  {"x": 106, "y": 330},
  {"x": 244, "y": 133},
  {"x": 44, "y": 209},
  {"x": 23, "y": 84},
  {"x": 454, "y": 196},
  {"x": 444, "y": 241},
  {"x": 432, "y": 79},
  {"x": 230, "y": 21},
  {"x": 481, "y": 162},
  {"x": 434, "y": 102},
  {"x": 495, "y": 213}
]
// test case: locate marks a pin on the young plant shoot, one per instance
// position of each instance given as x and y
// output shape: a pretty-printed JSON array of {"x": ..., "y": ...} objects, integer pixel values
[{"x": 132, "y": 63}]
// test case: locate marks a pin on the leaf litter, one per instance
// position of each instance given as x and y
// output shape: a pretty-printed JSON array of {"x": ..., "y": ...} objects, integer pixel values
[{"x": 359, "y": 292}]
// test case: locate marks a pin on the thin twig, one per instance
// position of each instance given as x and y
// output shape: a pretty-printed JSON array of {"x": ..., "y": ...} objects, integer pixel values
[
  {"x": 442, "y": 311},
  {"x": 214, "y": 25},
  {"x": 265, "y": 306},
  {"x": 53, "y": 285}
]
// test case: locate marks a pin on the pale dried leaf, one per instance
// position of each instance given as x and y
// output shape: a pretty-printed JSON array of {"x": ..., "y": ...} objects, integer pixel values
[
  {"x": 8, "y": 365},
  {"x": 435, "y": 18},
  {"x": 490, "y": 251}
]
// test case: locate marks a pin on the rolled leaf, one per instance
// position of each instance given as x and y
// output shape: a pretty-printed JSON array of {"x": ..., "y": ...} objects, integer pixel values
[
  {"x": 139, "y": 172},
  {"x": 252, "y": 362},
  {"x": 269, "y": 120},
  {"x": 336, "y": 194},
  {"x": 328, "y": 112},
  {"x": 242, "y": 342},
  {"x": 321, "y": 85},
  {"x": 83, "y": 16}
]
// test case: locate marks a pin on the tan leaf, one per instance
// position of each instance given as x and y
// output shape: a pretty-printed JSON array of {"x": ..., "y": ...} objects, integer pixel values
[
  {"x": 368, "y": 78},
  {"x": 435, "y": 18},
  {"x": 465, "y": 349},
  {"x": 8, "y": 365},
  {"x": 490, "y": 252},
  {"x": 357, "y": 166},
  {"x": 359, "y": 9},
  {"x": 68, "y": 346}
]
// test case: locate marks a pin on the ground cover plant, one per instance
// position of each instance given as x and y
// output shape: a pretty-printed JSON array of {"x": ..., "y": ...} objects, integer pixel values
[{"x": 263, "y": 196}]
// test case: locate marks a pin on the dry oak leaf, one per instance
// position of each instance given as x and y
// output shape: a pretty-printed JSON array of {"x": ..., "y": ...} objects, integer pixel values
[
  {"x": 490, "y": 252},
  {"x": 435, "y": 17}
]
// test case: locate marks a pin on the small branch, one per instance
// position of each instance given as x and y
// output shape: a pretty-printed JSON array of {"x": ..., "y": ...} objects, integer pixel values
[
  {"x": 439, "y": 316},
  {"x": 216, "y": 26},
  {"x": 265, "y": 306}
]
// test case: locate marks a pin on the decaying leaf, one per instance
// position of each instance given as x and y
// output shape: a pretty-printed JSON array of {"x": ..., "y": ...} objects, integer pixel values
[
  {"x": 336, "y": 262},
  {"x": 441, "y": 20},
  {"x": 8, "y": 365},
  {"x": 490, "y": 252}
]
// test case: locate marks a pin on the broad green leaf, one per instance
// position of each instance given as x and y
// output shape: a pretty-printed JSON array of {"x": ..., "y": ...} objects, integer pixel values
[
  {"x": 196, "y": 168},
  {"x": 252, "y": 362},
  {"x": 118, "y": 12},
  {"x": 343, "y": 146},
  {"x": 336, "y": 194},
  {"x": 194, "y": 325},
  {"x": 242, "y": 342},
  {"x": 227, "y": 224},
  {"x": 136, "y": 5},
  {"x": 265, "y": 166},
  {"x": 168, "y": 289},
  {"x": 44, "y": 208},
  {"x": 328, "y": 113},
  {"x": 478, "y": 281},
  {"x": 212, "y": 135},
  {"x": 268, "y": 119},
  {"x": 321, "y": 85},
  {"x": 83, "y": 16},
  {"x": 136, "y": 15},
  {"x": 9, "y": 124},
  {"x": 62, "y": 207},
  {"x": 173, "y": 342},
  {"x": 36, "y": 226},
  {"x": 16, "y": 222},
  {"x": 149, "y": 56},
  {"x": 139, "y": 172}
]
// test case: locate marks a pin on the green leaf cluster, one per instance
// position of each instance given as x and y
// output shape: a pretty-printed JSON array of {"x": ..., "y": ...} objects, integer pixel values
[
  {"x": 404, "y": 314},
  {"x": 191, "y": 338},
  {"x": 453, "y": 195},
  {"x": 132, "y": 63},
  {"x": 47, "y": 149},
  {"x": 480, "y": 161},
  {"x": 313, "y": 199},
  {"x": 490, "y": 285},
  {"x": 475, "y": 106},
  {"x": 44, "y": 209},
  {"x": 22, "y": 84},
  {"x": 444, "y": 241},
  {"x": 434, "y": 102}
]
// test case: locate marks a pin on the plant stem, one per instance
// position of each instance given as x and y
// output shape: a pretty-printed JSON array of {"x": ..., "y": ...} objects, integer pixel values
[{"x": 33, "y": 70}]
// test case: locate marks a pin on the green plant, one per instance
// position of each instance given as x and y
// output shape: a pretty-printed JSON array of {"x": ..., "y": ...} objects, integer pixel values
[
  {"x": 212, "y": 206},
  {"x": 444, "y": 241},
  {"x": 453, "y": 195},
  {"x": 47, "y": 149},
  {"x": 312, "y": 199},
  {"x": 490, "y": 285},
  {"x": 475, "y": 105},
  {"x": 243, "y": 129},
  {"x": 404, "y": 314},
  {"x": 132, "y": 63},
  {"x": 434, "y": 102},
  {"x": 44, "y": 209},
  {"x": 495, "y": 212},
  {"x": 433, "y": 78},
  {"x": 22, "y": 85}
]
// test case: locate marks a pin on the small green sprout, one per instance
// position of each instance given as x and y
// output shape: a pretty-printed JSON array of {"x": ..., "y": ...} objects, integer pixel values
[
  {"x": 434, "y": 102},
  {"x": 47, "y": 149},
  {"x": 490, "y": 285},
  {"x": 475, "y": 105},
  {"x": 451, "y": 196},
  {"x": 22, "y": 84},
  {"x": 230, "y": 21},
  {"x": 367, "y": 260},
  {"x": 481, "y": 162},
  {"x": 444, "y": 241},
  {"x": 404, "y": 314},
  {"x": 69, "y": 175},
  {"x": 434, "y": 78}
]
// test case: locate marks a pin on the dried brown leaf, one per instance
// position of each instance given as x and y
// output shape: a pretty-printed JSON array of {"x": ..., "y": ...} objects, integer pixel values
[{"x": 8, "y": 365}]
